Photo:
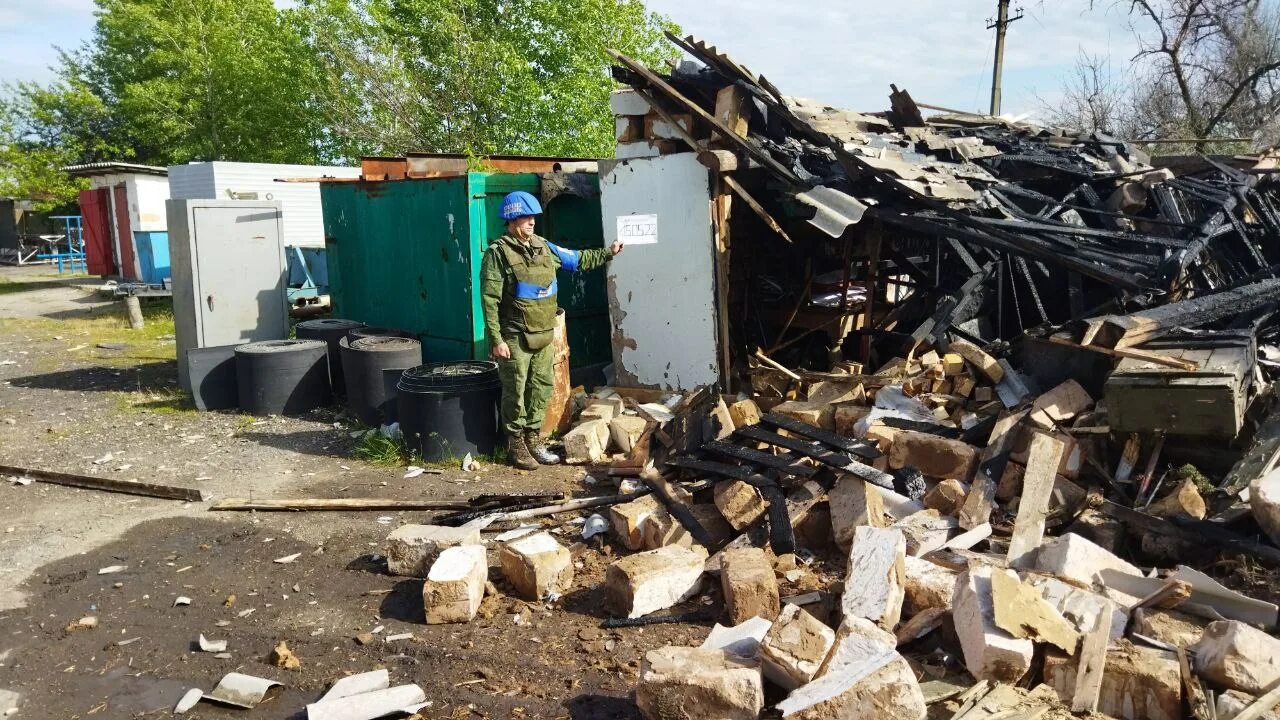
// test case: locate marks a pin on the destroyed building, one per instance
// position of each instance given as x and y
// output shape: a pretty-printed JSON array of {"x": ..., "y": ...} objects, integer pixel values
[{"x": 1017, "y": 379}]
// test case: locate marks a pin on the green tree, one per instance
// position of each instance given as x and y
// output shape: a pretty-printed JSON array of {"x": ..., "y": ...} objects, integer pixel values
[
  {"x": 477, "y": 76},
  {"x": 44, "y": 128},
  {"x": 205, "y": 80}
]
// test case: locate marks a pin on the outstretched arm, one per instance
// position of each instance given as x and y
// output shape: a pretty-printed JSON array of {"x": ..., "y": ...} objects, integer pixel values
[{"x": 588, "y": 259}]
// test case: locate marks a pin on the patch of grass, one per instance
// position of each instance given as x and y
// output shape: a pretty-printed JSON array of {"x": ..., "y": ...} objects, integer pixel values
[
  {"x": 25, "y": 283},
  {"x": 168, "y": 401},
  {"x": 1192, "y": 473},
  {"x": 153, "y": 343},
  {"x": 378, "y": 449},
  {"x": 244, "y": 422}
]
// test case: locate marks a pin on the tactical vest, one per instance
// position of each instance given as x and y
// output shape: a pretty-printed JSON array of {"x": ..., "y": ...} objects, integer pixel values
[{"x": 533, "y": 298}]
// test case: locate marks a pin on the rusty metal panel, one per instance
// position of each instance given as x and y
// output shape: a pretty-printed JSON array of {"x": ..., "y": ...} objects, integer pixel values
[
  {"x": 662, "y": 297},
  {"x": 383, "y": 168}
]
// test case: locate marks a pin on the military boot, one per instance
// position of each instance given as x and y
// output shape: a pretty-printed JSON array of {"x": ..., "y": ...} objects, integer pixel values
[
  {"x": 538, "y": 449},
  {"x": 518, "y": 453}
]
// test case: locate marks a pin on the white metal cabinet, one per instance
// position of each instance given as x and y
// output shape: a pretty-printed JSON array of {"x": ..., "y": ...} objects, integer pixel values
[
  {"x": 228, "y": 272},
  {"x": 662, "y": 296}
]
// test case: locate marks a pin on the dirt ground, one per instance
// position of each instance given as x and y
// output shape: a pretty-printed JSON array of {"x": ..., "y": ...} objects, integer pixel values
[{"x": 81, "y": 393}]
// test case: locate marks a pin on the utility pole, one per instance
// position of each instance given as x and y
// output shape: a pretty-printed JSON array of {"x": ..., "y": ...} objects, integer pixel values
[{"x": 1001, "y": 23}]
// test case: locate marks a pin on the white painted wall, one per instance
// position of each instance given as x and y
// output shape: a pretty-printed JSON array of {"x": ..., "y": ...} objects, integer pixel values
[
  {"x": 147, "y": 194},
  {"x": 662, "y": 296},
  {"x": 303, "y": 222}
]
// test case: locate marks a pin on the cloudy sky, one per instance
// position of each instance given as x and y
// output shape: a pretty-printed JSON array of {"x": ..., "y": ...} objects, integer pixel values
[{"x": 843, "y": 52}]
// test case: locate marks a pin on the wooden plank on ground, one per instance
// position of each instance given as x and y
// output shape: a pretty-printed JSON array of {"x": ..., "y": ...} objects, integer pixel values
[
  {"x": 978, "y": 503},
  {"x": 1037, "y": 487},
  {"x": 1192, "y": 689},
  {"x": 1092, "y": 661},
  {"x": 127, "y": 487},
  {"x": 354, "y": 503}
]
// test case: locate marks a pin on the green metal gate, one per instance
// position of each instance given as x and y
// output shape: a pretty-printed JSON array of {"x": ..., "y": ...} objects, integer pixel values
[{"x": 406, "y": 254}]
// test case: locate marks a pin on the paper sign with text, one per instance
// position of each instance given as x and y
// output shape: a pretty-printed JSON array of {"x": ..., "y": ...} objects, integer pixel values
[{"x": 638, "y": 229}]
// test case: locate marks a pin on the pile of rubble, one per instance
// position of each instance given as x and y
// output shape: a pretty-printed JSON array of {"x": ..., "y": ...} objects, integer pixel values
[
  {"x": 922, "y": 560},
  {"x": 1060, "y": 404}
]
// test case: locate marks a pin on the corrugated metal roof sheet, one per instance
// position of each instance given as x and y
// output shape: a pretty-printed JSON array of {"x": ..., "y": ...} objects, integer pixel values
[{"x": 107, "y": 168}]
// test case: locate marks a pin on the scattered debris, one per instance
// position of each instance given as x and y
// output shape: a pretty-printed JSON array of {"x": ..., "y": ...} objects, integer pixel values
[
  {"x": 188, "y": 701},
  {"x": 282, "y": 657},
  {"x": 240, "y": 690},
  {"x": 212, "y": 646}
]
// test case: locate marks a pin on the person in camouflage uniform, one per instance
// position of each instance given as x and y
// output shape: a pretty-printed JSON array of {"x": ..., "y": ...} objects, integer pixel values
[{"x": 518, "y": 294}]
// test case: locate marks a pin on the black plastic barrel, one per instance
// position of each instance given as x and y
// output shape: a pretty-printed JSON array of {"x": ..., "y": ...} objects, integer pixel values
[
  {"x": 330, "y": 330},
  {"x": 282, "y": 377},
  {"x": 375, "y": 331},
  {"x": 364, "y": 359},
  {"x": 449, "y": 409}
]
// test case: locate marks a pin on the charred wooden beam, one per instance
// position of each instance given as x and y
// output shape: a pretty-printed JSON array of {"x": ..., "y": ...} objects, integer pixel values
[
  {"x": 862, "y": 448},
  {"x": 838, "y": 461},
  {"x": 763, "y": 459}
]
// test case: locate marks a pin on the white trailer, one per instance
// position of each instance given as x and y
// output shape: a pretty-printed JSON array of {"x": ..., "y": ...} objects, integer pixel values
[{"x": 303, "y": 223}]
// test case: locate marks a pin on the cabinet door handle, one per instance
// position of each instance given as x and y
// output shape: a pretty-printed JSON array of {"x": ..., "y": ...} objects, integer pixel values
[{"x": 209, "y": 301}]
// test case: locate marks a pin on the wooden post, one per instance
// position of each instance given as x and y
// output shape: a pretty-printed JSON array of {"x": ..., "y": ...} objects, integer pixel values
[
  {"x": 874, "y": 235},
  {"x": 1037, "y": 486},
  {"x": 722, "y": 207},
  {"x": 134, "y": 308}
]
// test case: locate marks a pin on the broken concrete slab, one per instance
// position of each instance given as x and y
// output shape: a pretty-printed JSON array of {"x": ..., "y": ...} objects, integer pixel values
[
  {"x": 1076, "y": 559},
  {"x": 683, "y": 683},
  {"x": 1139, "y": 683},
  {"x": 926, "y": 585},
  {"x": 1264, "y": 501},
  {"x": 864, "y": 678},
  {"x": 738, "y": 502},
  {"x": 990, "y": 653},
  {"x": 411, "y": 549},
  {"x": 947, "y": 496},
  {"x": 817, "y": 414},
  {"x": 455, "y": 585},
  {"x": 986, "y": 364},
  {"x": 749, "y": 586},
  {"x": 1233, "y": 702},
  {"x": 795, "y": 647},
  {"x": 1060, "y": 404},
  {"x": 1238, "y": 656},
  {"x": 742, "y": 639},
  {"x": 873, "y": 585},
  {"x": 933, "y": 456},
  {"x": 628, "y": 519},
  {"x": 1081, "y": 607},
  {"x": 1021, "y": 611},
  {"x": 846, "y": 416},
  {"x": 625, "y": 431},
  {"x": 587, "y": 443},
  {"x": 536, "y": 566},
  {"x": 854, "y": 502},
  {"x": 926, "y": 531},
  {"x": 646, "y": 582}
]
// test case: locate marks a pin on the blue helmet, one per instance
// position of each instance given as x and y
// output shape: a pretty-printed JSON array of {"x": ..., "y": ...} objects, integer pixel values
[{"x": 518, "y": 204}]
